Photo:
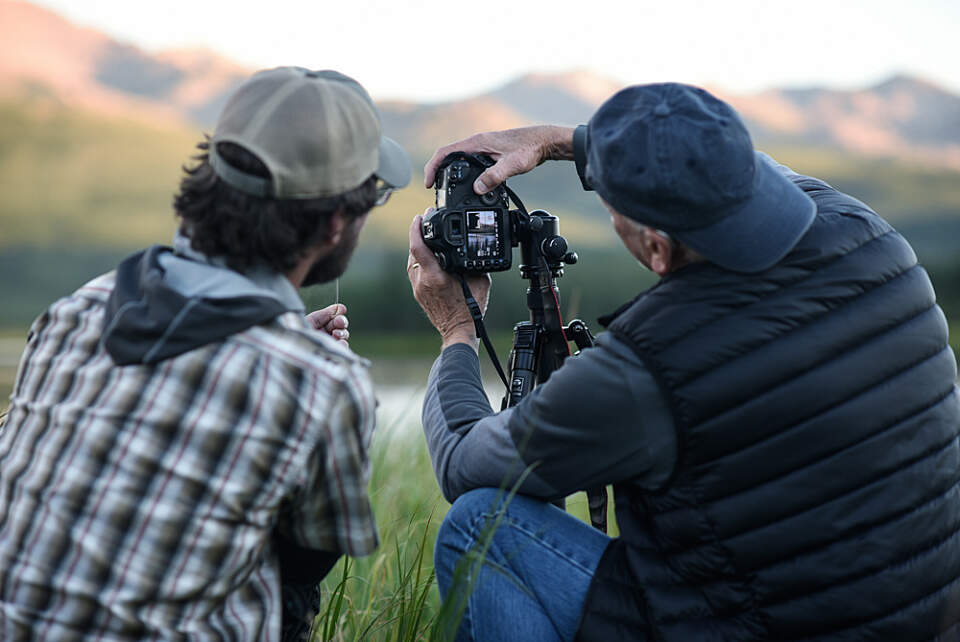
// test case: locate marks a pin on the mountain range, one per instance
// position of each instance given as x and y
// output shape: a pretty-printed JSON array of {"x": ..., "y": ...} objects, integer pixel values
[
  {"x": 904, "y": 117},
  {"x": 41, "y": 52},
  {"x": 94, "y": 132}
]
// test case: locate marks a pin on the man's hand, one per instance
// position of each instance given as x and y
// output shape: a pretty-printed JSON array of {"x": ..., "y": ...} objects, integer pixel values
[
  {"x": 441, "y": 295},
  {"x": 515, "y": 151},
  {"x": 332, "y": 320}
]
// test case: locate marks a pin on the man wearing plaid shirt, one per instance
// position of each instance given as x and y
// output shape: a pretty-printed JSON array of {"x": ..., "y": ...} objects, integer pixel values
[{"x": 185, "y": 452}]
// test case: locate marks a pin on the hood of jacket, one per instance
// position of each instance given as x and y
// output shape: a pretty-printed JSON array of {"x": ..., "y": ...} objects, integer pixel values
[{"x": 170, "y": 300}]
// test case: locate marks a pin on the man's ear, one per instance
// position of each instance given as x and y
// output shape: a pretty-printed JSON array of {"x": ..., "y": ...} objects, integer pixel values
[
  {"x": 337, "y": 222},
  {"x": 660, "y": 250}
]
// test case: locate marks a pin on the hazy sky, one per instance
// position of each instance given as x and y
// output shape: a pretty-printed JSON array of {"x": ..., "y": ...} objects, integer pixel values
[{"x": 438, "y": 50}]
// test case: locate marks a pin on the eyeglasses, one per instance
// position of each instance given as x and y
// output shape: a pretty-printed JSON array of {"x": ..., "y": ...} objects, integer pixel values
[{"x": 383, "y": 193}]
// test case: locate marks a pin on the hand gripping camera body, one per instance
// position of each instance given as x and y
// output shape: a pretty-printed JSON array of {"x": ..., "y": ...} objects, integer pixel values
[{"x": 468, "y": 232}]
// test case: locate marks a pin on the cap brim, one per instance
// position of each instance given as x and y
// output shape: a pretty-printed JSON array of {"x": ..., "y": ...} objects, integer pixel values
[
  {"x": 762, "y": 230},
  {"x": 394, "y": 168}
]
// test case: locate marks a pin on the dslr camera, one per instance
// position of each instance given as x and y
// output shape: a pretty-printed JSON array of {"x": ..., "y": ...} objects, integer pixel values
[{"x": 468, "y": 232}]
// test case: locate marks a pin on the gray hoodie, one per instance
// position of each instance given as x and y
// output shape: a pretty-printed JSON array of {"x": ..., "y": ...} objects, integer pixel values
[{"x": 171, "y": 300}]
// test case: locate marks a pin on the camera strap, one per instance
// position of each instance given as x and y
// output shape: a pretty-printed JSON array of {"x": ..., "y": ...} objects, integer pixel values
[
  {"x": 481, "y": 329},
  {"x": 516, "y": 200}
]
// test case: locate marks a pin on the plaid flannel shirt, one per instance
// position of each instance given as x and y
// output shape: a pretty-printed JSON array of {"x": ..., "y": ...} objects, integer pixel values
[{"x": 141, "y": 502}]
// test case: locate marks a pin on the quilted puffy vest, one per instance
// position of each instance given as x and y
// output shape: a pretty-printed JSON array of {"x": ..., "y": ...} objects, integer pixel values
[{"x": 816, "y": 491}]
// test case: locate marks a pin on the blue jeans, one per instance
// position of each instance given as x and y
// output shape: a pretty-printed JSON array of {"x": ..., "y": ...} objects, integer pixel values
[{"x": 531, "y": 581}]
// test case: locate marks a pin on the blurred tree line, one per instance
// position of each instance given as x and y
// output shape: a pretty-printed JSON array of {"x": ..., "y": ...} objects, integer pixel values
[{"x": 376, "y": 291}]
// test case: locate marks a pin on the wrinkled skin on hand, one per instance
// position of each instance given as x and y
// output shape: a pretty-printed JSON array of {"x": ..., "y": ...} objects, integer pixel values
[
  {"x": 516, "y": 151},
  {"x": 440, "y": 294}
]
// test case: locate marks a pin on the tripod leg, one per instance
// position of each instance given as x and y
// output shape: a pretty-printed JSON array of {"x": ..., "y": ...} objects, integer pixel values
[{"x": 524, "y": 360}]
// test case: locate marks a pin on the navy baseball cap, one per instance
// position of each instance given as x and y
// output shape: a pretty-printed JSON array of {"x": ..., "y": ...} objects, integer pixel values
[{"x": 675, "y": 158}]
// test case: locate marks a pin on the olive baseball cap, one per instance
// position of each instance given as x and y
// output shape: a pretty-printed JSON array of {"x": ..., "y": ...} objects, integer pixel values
[
  {"x": 678, "y": 159},
  {"x": 317, "y": 132}
]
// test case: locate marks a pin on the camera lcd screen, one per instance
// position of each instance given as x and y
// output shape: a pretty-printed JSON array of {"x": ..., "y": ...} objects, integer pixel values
[{"x": 483, "y": 235}]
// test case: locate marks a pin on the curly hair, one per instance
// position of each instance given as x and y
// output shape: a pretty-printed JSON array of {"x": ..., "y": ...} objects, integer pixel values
[{"x": 245, "y": 230}]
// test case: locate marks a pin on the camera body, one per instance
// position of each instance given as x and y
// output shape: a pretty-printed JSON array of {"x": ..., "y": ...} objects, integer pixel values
[{"x": 468, "y": 232}]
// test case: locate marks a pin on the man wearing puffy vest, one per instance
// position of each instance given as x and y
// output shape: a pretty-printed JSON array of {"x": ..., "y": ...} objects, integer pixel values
[{"x": 778, "y": 415}]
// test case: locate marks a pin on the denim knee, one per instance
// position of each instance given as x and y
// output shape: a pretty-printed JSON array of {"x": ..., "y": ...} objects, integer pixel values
[
  {"x": 457, "y": 528},
  {"x": 472, "y": 504}
]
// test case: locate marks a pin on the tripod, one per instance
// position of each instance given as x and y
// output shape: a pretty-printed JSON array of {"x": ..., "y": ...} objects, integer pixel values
[{"x": 541, "y": 344}]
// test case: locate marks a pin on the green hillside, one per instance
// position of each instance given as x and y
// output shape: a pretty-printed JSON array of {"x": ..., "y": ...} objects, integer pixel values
[
  {"x": 901, "y": 192},
  {"x": 72, "y": 178},
  {"x": 75, "y": 178},
  {"x": 80, "y": 190}
]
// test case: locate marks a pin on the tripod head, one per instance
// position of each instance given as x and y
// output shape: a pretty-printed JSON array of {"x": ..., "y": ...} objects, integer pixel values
[
  {"x": 541, "y": 246},
  {"x": 543, "y": 254},
  {"x": 541, "y": 344}
]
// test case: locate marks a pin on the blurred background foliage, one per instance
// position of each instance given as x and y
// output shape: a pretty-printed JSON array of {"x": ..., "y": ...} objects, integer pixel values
[
  {"x": 94, "y": 133},
  {"x": 80, "y": 191}
]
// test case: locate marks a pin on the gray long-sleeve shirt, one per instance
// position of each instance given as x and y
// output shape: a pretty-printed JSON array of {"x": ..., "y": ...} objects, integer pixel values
[{"x": 599, "y": 419}]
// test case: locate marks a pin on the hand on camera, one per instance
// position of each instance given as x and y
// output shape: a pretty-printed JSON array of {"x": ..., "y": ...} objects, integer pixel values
[
  {"x": 332, "y": 320},
  {"x": 515, "y": 151},
  {"x": 441, "y": 295}
]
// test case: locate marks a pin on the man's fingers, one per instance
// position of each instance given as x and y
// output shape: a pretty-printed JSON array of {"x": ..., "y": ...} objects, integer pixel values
[
  {"x": 507, "y": 166},
  {"x": 416, "y": 239},
  {"x": 516, "y": 151},
  {"x": 339, "y": 322},
  {"x": 470, "y": 145},
  {"x": 419, "y": 252},
  {"x": 490, "y": 178},
  {"x": 430, "y": 169},
  {"x": 320, "y": 318},
  {"x": 332, "y": 320}
]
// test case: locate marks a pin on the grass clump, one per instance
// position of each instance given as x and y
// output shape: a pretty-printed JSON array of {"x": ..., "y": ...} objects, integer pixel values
[{"x": 390, "y": 595}]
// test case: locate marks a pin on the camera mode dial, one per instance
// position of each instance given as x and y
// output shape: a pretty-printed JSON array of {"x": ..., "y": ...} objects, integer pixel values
[{"x": 489, "y": 198}]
